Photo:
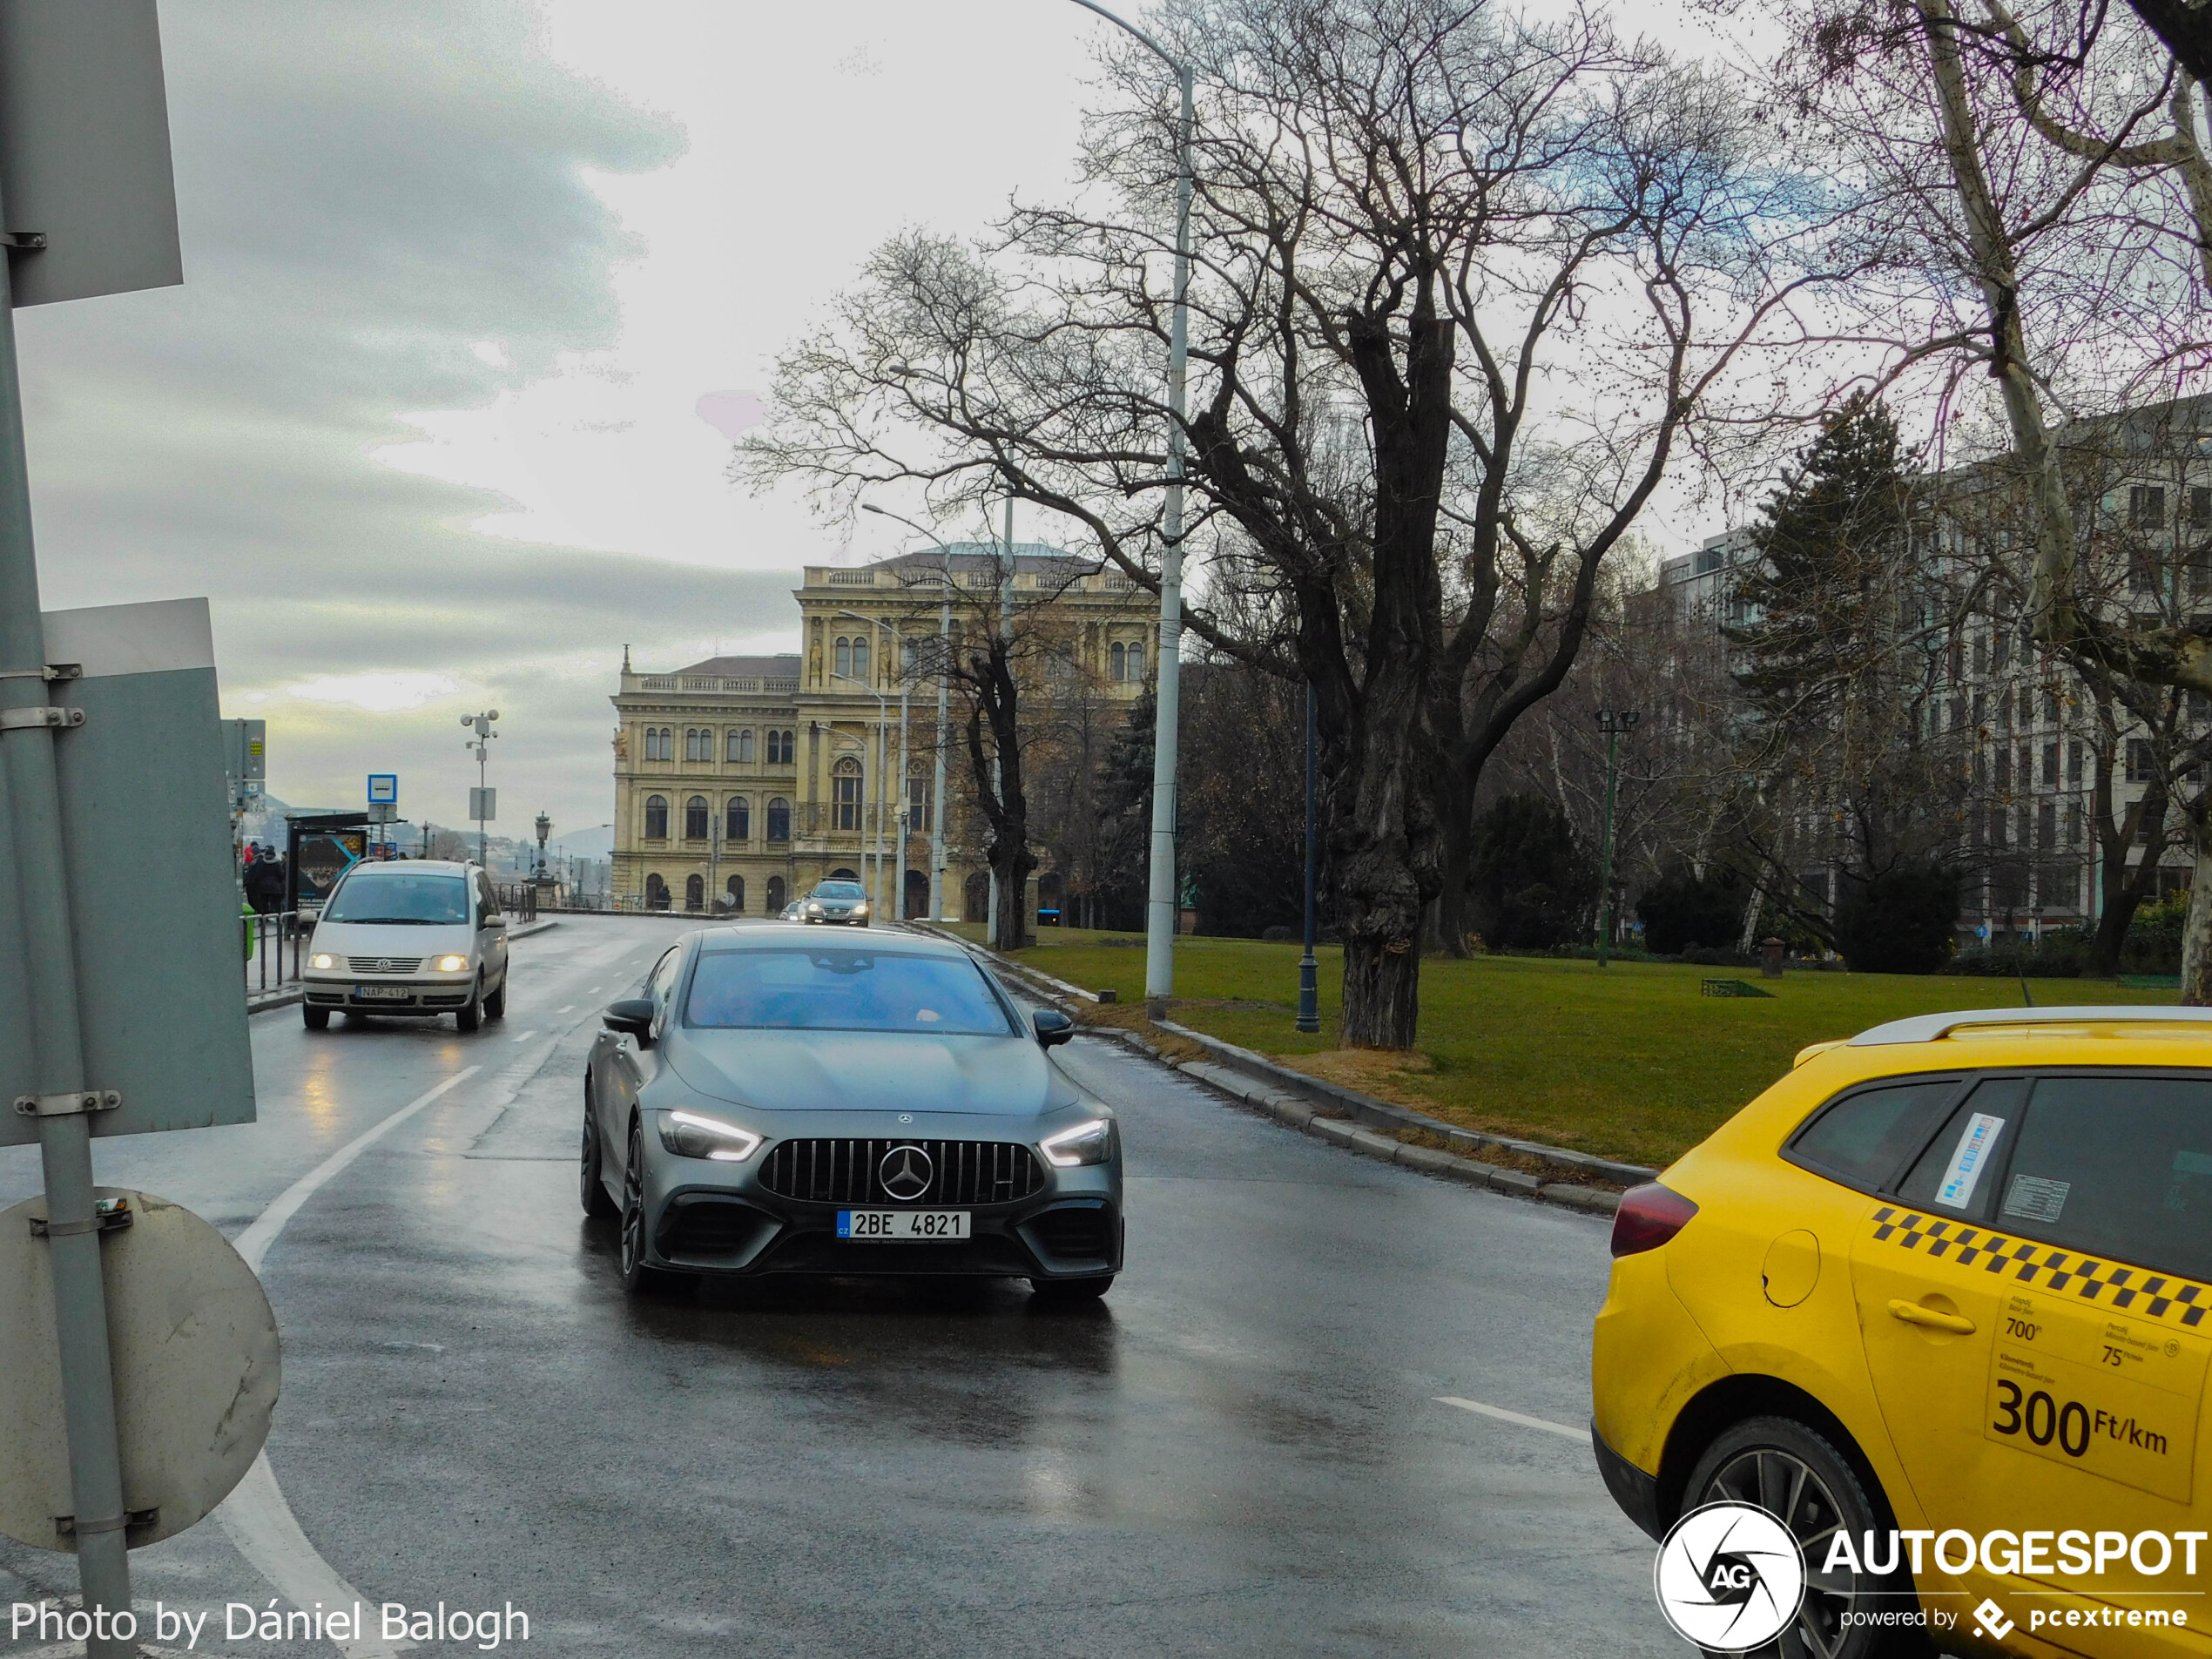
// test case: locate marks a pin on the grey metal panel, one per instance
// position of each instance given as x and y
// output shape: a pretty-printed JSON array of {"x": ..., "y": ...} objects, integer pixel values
[
  {"x": 1927, "y": 1028},
  {"x": 84, "y": 149},
  {"x": 153, "y": 897}
]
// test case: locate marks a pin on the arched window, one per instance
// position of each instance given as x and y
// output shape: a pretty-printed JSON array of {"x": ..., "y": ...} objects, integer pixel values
[
  {"x": 843, "y": 658},
  {"x": 779, "y": 748},
  {"x": 656, "y": 819},
  {"x": 694, "y": 892},
  {"x": 907, "y": 650},
  {"x": 860, "y": 658},
  {"x": 739, "y": 823},
  {"x": 776, "y": 899},
  {"x": 740, "y": 748},
  {"x": 780, "y": 822},
  {"x": 845, "y": 783},
  {"x": 656, "y": 894},
  {"x": 1136, "y": 662},
  {"x": 1118, "y": 659},
  {"x": 735, "y": 887},
  {"x": 668, "y": 743},
  {"x": 695, "y": 818},
  {"x": 691, "y": 743}
]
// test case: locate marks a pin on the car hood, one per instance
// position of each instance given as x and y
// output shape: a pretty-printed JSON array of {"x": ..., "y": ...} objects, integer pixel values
[
  {"x": 384, "y": 939},
  {"x": 870, "y": 1071}
]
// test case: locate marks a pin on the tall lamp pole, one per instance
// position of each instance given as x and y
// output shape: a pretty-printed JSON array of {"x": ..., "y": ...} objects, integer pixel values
[
  {"x": 1613, "y": 723},
  {"x": 1160, "y": 910},
  {"x": 944, "y": 685},
  {"x": 1309, "y": 970}
]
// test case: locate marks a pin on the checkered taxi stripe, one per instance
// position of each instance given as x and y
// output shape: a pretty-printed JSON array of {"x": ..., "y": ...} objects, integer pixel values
[{"x": 2156, "y": 1296}]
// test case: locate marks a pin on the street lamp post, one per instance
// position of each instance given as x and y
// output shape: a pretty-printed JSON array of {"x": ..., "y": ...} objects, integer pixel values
[
  {"x": 1159, "y": 916},
  {"x": 1309, "y": 970},
  {"x": 544, "y": 827},
  {"x": 944, "y": 687},
  {"x": 1613, "y": 723},
  {"x": 481, "y": 725}
]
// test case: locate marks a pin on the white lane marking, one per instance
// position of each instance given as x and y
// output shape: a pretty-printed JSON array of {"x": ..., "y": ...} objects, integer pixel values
[
  {"x": 564, "y": 1007},
  {"x": 526, "y": 1036},
  {"x": 261, "y": 1523},
  {"x": 1505, "y": 1416}
]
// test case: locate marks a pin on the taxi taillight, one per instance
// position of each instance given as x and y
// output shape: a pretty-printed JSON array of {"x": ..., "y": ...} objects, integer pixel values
[{"x": 1649, "y": 1217}]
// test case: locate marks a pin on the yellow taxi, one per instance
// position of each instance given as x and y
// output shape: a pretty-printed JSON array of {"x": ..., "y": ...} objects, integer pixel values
[{"x": 1945, "y": 1292}]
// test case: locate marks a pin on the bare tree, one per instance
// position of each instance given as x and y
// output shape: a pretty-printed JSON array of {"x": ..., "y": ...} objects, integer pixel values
[{"x": 1465, "y": 285}]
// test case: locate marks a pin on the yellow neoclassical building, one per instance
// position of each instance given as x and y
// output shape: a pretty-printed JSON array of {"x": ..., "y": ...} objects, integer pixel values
[{"x": 742, "y": 781}]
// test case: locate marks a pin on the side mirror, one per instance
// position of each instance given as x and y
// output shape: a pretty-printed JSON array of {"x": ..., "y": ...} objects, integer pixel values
[
  {"x": 1053, "y": 1027},
  {"x": 631, "y": 1015}
]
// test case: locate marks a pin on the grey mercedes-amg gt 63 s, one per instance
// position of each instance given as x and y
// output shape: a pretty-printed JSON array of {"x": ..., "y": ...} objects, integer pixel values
[{"x": 779, "y": 1102}]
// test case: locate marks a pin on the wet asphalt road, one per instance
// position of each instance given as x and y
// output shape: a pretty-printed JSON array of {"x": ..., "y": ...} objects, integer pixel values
[{"x": 1238, "y": 1452}]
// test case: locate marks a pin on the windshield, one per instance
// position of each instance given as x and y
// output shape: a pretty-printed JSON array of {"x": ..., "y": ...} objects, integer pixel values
[
  {"x": 399, "y": 898},
  {"x": 844, "y": 990},
  {"x": 838, "y": 890}
]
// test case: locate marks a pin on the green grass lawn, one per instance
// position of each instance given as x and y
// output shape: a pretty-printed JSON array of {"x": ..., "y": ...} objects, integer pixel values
[{"x": 1627, "y": 1062}]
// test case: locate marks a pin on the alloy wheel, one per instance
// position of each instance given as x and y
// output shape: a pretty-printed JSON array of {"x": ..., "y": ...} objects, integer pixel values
[
  {"x": 1785, "y": 1486},
  {"x": 633, "y": 1206}
]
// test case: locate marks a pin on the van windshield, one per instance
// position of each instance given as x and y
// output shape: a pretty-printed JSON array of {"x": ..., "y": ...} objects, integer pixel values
[{"x": 417, "y": 899}]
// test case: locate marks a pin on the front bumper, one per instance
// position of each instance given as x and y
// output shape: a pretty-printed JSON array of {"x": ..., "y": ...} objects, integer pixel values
[
  {"x": 731, "y": 1225},
  {"x": 835, "y": 921},
  {"x": 421, "y": 996}
]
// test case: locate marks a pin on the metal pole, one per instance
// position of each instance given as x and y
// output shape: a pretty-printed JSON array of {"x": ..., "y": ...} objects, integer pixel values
[
  {"x": 483, "y": 751},
  {"x": 30, "y": 795},
  {"x": 937, "y": 779},
  {"x": 1309, "y": 970},
  {"x": 998, "y": 759},
  {"x": 1605, "y": 859},
  {"x": 906, "y": 762},
  {"x": 1160, "y": 915}
]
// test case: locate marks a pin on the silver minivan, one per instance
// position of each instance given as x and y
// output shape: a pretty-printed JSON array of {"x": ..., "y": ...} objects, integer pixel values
[{"x": 417, "y": 937}]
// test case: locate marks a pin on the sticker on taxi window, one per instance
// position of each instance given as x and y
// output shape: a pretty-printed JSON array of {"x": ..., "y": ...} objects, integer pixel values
[
  {"x": 2116, "y": 1397},
  {"x": 1976, "y": 1142},
  {"x": 2033, "y": 1198}
]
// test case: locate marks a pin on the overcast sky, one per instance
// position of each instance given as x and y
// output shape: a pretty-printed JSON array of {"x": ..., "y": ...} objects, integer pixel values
[{"x": 476, "y": 290}]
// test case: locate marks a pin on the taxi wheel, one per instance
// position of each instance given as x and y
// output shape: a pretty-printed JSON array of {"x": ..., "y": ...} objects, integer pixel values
[
  {"x": 1796, "y": 1473},
  {"x": 314, "y": 1019}
]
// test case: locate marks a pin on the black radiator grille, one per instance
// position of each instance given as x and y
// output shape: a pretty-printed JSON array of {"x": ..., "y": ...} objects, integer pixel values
[{"x": 848, "y": 1171}]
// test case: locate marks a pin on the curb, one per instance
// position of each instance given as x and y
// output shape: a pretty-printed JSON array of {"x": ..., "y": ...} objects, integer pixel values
[
  {"x": 1284, "y": 1097},
  {"x": 286, "y": 997}
]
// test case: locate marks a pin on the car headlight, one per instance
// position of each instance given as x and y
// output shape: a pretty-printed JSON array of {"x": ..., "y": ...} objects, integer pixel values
[
  {"x": 689, "y": 1135},
  {"x": 813, "y": 910},
  {"x": 322, "y": 959},
  {"x": 1085, "y": 1143},
  {"x": 862, "y": 908},
  {"x": 450, "y": 964}
]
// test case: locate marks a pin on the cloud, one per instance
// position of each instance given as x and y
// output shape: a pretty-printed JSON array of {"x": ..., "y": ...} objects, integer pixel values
[{"x": 378, "y": 693}]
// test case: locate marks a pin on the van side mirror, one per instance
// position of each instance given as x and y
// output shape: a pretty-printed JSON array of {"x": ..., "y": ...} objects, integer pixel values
[
  {"x": 632, "y": 1017},
  {"x": 1053, "y": 1027}
]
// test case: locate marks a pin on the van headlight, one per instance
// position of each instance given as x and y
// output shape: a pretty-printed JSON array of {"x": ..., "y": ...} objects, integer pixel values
[
  {"x": 1085, "y": 1143},
  {"x": 690, "y": 1134},
  {"x": 450, "y": 964},
  {"x": 322, "y": 959}
]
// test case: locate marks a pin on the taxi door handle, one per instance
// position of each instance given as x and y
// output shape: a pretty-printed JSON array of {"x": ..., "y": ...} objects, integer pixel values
[{"x": 1913, "y": 1313}]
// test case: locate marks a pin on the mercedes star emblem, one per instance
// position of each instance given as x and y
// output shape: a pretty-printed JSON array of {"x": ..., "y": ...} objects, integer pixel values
[{"x": 905, "y": 1173}]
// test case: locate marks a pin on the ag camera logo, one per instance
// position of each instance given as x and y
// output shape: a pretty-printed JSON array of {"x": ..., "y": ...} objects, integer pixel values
[{"x": 1729, "y": 1577}]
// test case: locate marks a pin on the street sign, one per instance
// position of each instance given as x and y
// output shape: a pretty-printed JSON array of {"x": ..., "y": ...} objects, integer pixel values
[
  {"x": 162, "y": 1002},
  {"x": 194, "y": 1351},
  {"x": 84, "y": 150},
  {"x": 245, "y": 744},
  {"x": 383, "y": 788},
  {"x": 484, "y": 804}
]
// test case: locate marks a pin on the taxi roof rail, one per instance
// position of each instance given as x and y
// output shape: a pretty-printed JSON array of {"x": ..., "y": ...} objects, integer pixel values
[{"x": 1927, "y": 1027}]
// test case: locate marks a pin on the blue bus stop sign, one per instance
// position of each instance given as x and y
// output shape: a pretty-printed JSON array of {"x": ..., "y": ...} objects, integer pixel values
[{"x": 383, "y": 788}]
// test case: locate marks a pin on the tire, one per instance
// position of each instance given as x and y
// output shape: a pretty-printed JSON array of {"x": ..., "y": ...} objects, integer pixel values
[
  {"x": 637, "y": 1277},
  {"x": 1070, "y": 1292},
  {"x": 468, "y": 1019},
  {"x": 593, "y": 1175},
  {"x": 314, "y": 1019},
  {"x": 1784, "y": 1465},
  {"x": 496, "y": 1004}
]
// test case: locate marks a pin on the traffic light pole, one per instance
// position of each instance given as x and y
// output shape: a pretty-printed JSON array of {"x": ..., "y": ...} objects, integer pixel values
[{"x": 30, "y": 798}]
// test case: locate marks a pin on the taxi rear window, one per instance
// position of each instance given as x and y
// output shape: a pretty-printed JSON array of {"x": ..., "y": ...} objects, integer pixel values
[
  {"x": 1864, "y": 1138},
  {"x": 2117, "y": 1166}
]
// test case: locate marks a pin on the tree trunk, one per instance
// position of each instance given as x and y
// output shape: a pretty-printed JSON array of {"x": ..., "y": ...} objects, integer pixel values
[
  {"x": 1382, "y": 981},
  {"x": 2196, "y": 930}
]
